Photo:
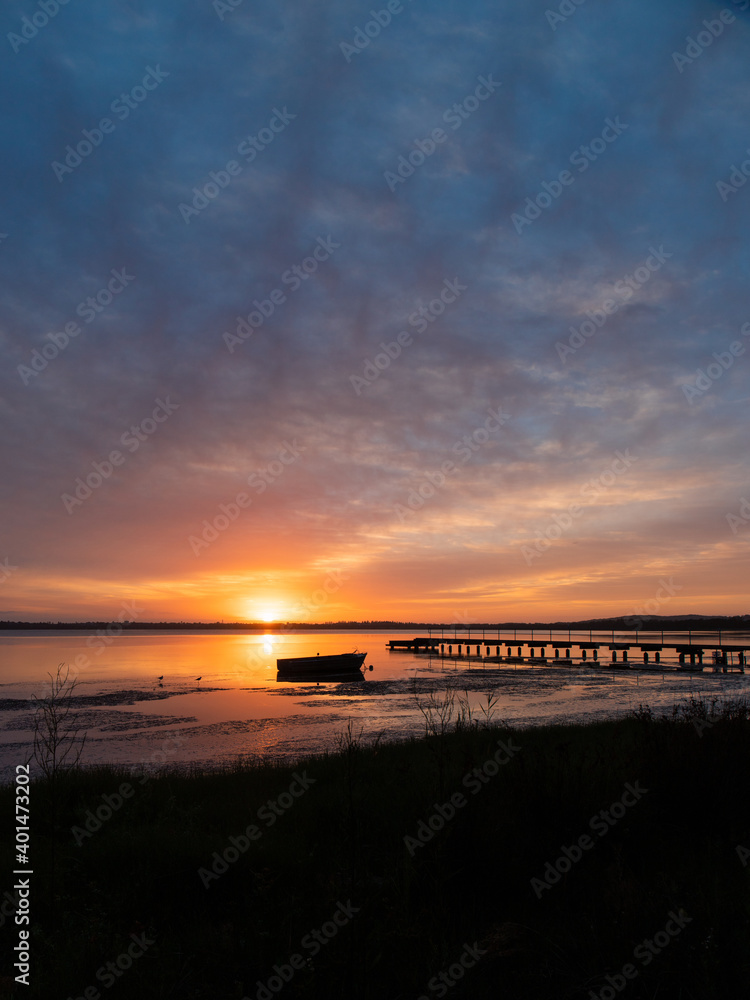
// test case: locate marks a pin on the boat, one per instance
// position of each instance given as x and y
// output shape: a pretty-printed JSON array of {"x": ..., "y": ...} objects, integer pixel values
[{"x": 336, "y": 663}]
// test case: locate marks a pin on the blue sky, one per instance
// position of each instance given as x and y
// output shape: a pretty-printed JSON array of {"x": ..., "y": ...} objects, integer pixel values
[{"x": 216, "y": 78}]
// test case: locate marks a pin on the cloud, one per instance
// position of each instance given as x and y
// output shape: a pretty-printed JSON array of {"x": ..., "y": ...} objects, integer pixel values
[{"x": 322, "y": 176}]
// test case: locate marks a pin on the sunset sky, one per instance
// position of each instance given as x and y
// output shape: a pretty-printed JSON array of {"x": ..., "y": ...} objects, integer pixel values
[{"x": 508, "y": 325}]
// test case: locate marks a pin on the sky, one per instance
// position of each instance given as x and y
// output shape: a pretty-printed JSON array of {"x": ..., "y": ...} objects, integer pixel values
[{"x": 332, "y": 311}]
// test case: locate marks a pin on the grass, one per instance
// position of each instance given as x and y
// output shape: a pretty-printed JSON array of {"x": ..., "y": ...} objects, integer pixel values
[{"x": 342, "y": 841}]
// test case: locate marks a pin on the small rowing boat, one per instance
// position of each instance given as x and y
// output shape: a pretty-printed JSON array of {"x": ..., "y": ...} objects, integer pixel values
[{"x": 337, "y": 663}]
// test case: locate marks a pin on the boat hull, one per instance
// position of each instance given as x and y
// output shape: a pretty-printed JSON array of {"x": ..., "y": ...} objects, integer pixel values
[{"x": 302, "y": 666}]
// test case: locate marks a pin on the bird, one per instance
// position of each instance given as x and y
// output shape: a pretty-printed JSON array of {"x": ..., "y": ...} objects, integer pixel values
[{"x": 199, "y": 678}]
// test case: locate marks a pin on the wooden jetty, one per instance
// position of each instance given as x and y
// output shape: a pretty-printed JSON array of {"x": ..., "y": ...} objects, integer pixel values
[
  {"x": 417, "y": 644},
  {"x": 502, "y": 648}
]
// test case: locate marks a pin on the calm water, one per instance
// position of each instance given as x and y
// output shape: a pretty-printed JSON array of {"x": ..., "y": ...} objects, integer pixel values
[{"x": 239, "y": 708}]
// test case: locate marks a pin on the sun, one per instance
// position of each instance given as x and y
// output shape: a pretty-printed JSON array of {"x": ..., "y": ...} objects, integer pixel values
[
  {"x": 265, "y": 609},
  {"x": 269, "y": 614}
]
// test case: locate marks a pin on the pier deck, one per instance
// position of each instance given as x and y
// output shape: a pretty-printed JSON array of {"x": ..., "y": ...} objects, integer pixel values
[{"x": 524, "y": 648}]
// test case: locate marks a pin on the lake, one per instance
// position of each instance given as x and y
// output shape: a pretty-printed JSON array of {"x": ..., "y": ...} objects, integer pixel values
[{"x": 238, "y": 708}]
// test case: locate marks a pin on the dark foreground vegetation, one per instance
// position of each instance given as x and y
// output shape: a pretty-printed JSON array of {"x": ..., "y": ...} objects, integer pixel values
[{"x": 580, "y": 861}]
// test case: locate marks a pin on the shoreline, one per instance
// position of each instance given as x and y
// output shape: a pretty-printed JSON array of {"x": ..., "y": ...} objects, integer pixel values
[{"x": 628, "y": 623}]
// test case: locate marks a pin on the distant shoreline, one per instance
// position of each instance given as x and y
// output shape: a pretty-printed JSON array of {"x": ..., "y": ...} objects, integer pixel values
[{"x": 623, "y": 624}]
